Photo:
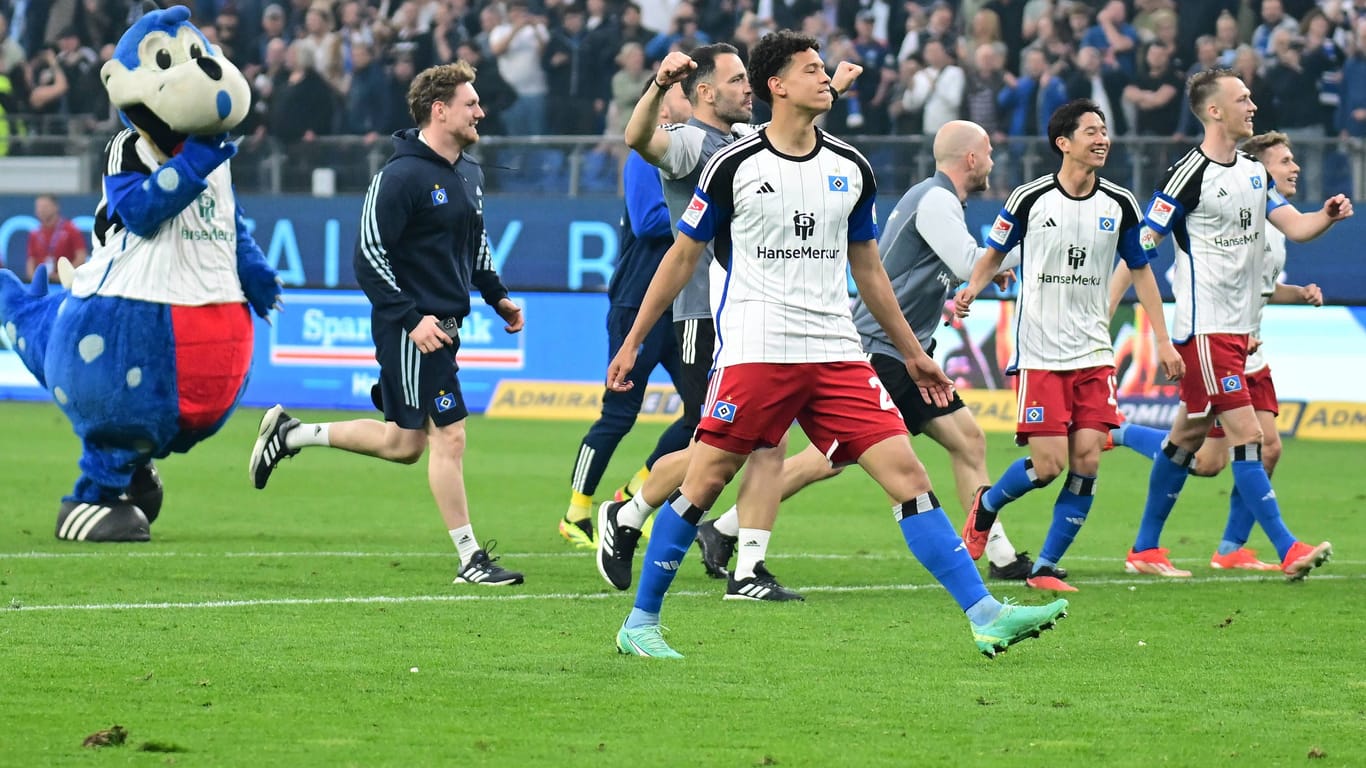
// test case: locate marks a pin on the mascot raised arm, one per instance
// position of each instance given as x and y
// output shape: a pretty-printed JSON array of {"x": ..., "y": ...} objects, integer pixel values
[{"x": 148, "y": 351}]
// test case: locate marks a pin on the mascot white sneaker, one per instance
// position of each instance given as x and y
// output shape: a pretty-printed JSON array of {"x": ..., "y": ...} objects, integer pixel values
[{"x": 149, "y": 351}]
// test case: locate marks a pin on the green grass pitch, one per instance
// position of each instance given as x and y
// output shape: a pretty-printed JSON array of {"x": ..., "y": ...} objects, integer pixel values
[{"x": 315, "y": 623}]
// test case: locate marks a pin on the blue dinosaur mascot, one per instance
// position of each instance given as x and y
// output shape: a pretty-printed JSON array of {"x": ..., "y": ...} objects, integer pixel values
[{"x": 148, "y": 352}]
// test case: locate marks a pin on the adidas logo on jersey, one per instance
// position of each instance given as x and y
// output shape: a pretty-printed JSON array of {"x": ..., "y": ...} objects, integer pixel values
[
  {"x": 765, "y": 188},
  {"x": 1222, "y": 192},
  {"x": 1048, "y": 223}
]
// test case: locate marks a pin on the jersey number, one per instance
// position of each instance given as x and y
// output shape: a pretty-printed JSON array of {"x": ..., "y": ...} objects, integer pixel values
[{"x": 884, "y": 399}]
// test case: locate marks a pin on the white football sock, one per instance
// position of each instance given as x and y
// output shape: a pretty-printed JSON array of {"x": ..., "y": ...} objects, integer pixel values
[
  {"x": 465, "y": 543},
  {"x": 751, "y": 550},
  {"x": 633, "y": 513},
  {"x": 729, "y": 523},
  {"x": 999, "y": 549},
  {"x": 305, "y": 435}
]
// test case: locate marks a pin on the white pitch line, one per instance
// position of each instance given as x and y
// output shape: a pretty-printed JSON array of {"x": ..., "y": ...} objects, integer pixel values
[
  {"x": 506, "y": 596},
  {"x": 114, "y": 554}
]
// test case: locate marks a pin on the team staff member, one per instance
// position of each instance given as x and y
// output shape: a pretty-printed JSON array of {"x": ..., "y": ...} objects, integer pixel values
[{"x": 421, "y": 248}]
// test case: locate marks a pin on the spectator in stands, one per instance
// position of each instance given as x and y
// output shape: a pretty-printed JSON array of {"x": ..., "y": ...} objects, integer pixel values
[
  {"x": 269, "y": 79},
  {"x": 985, "y": 29},
  {"x": 447, "y": 34},
  {"x": 303, "y": 109},
  {"x": 1027, "y": 102},
  {"x": 80, "y": 64},
  {"x": 366, "y": 95},
  {"x": 1114, "y": 37},
  {"x": 401, "y": 75},
  {"x": 1273, "y": 18},
  {"x": 1351, "y": 114},
  {"x": 411, "y": 35},
  {"x": 45, "y": 86},
  {"x": 1105, "y": 86},
  {"x": 984, "y": 81},
  {"x": 1011, "y": 13},
  {"x": 55, "y": 238},
  {"x": 11, "y": 53},
  {"x": 1324, "y": 59},
  {"x": 495, "y": 95},
  {"x": 490, "y": 18},
  {"x": 627, "y": 85},
  {"x": 324, "y": 45},
  {"x": 683, "y": 26},
  {"x": 904, "y": 122},
  {"x": 939, "y": 26},
  {"x": 1295, "y": 90},
  {"x": 631, "y": 30},
  {"x": 1226, "y": 36},
  {"x": 937, "y": 89},
  {"x": 1156, "y": 93},
  {"x": 518, "y": 43},
  {"x": 273, "y": 27},
  {"x": 227, "y": 29},
  {"x": 1248, "y": 64},
  {"x": 100, "y": 22},
  {"x": 876, "y": 80},
  {"x": 576, "y": 104},
  {"x": 1206, "y": 57}
]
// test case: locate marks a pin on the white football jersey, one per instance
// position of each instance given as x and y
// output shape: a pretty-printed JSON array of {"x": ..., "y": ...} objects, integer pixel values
[
  {"x": 1271, "y": 274},
  {"x": 782, "y": 226},
  {"x": 190, "y": 260},
  {"x": 1067, "y": 253},
  {"x": 1216, "y": 214}
]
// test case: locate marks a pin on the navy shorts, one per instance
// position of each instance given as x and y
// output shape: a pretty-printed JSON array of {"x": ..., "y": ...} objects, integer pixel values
[
  {"x": 696, "y": 346},
  {"x": 415, "y": 387},
  {"x": 906, "y": 395}
]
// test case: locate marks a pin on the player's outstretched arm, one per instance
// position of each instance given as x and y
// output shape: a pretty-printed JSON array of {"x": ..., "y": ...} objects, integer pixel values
[
  {"x": 643, "y": 133},
  {"x": 1150, "y": 298},
  {"x": 674, "y": 271},
  {"x": 1298, "y": 294},
  {"x": 982, "y": 273},
  {"x": 876, "y": 290},
  {"x": 1303, "y": 227}
]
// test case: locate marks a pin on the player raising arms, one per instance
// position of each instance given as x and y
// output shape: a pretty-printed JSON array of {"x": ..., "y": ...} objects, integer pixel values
[
  {"x": 1070, "y": 225},
  {"x": 790, "y": 208},
  {"x": 1215, "y": 201},
  {"x": 1273, "y": 150}
]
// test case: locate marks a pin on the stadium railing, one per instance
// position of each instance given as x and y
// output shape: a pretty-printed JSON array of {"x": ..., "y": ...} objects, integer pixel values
[{"x": 582, "y": 166}]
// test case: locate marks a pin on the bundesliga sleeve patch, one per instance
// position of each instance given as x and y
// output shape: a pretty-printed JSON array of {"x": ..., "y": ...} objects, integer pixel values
[
  {"x": 1160, "y": 212},
  {"x": 1000, "y": 230},
  {"x": 697, "y": 208}
]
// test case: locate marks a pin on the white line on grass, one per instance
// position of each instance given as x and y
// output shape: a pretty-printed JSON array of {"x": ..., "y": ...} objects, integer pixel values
[
  {"x": 117, "y": 553},
  {"x": 506, "y": 596}
]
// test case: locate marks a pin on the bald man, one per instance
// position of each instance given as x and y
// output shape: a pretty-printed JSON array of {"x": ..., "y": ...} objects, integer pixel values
[{"x": 927, "y": 250}]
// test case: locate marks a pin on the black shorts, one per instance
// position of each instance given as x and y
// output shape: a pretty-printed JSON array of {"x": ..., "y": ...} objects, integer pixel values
[
  {"x": 696, "y": 344},
  {"x": 415, "y": 387},
  {"x": 906, "y": 395}
]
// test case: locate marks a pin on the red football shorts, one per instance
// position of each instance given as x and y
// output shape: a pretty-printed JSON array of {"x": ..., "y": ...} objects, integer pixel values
[
  {"x": 1058, "y": 403},
  {"x": 1214, "y": 380},
  {"x": 842, "y": 407},
  {"x": 1264, "y": 398}
]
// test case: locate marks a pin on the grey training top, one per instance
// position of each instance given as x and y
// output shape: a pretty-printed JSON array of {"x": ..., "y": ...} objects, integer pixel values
[
  {"x": 928, "y": 251},
  {"x": 691, "y": 145}
]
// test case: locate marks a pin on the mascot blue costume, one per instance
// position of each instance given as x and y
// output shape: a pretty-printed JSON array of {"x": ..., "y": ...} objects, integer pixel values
[{"x": 149, "y": 350}]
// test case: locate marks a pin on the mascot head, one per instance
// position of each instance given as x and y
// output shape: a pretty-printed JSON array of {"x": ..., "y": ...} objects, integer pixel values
[{"x": 168, "y": 82}]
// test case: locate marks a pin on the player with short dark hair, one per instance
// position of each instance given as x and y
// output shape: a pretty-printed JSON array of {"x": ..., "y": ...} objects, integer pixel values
[
  {"x": 1070, "y": 225},
  {"x": 787, "y": 346},
  {"x": 421, "y": 250},
  {"x": 1215, "y": 202}
]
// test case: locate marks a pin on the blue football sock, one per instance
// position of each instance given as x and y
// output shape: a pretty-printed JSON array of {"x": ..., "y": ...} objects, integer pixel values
[
  {"x": 669, "y": 542},
  {"x": 1145, "y": 441},
  {"x": 935, "y": 543},
  {"x": 1255, "y": 488},
  {"x": 1069, "y": 514},
  {"x": 1170, "y": 469},
  {"x": 1239, "y": 526},
  {"x": 1016, "y": 481}
]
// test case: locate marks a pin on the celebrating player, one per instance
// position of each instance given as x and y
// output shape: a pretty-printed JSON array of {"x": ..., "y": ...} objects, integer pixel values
[{"x": 1070, "y": 225}]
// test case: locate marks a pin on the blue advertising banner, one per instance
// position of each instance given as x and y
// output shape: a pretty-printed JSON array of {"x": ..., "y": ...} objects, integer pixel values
[{"x": 560, "y": 244}]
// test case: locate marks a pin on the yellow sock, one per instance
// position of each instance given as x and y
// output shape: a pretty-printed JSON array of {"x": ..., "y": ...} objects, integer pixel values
[
  {"x": 637, "y": 480},
  {"x": 580, "y": 507}
]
